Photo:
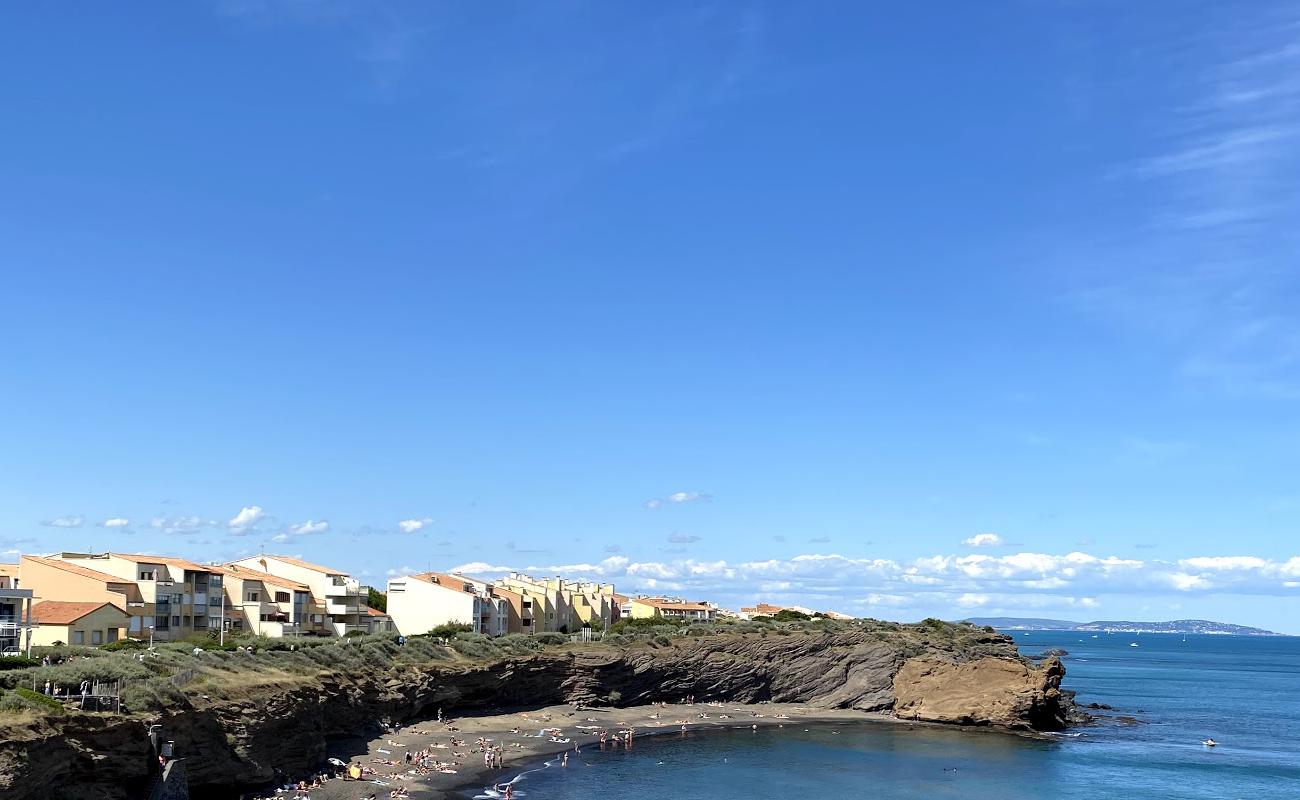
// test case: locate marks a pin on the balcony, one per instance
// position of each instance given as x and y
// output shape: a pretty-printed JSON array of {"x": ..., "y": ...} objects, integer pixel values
[
  {"x": 342, "y": 608},
  {"x": 342, "y": 587}
]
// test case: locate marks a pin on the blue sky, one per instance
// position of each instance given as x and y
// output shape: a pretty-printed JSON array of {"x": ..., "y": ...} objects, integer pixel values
[{"x": 739, "y": 301}]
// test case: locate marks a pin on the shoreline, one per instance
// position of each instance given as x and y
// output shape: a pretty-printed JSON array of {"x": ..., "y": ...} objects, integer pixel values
[{"x": 523, "y": 750}]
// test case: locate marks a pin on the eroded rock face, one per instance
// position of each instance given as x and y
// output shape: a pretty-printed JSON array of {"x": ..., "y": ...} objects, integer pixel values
[
  {"x": 231, "y": 745},
  {"x": 988, "y": 691}
]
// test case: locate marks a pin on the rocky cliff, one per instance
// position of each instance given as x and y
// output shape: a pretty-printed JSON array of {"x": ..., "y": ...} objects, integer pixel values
[{"x": 240, "y": 740}]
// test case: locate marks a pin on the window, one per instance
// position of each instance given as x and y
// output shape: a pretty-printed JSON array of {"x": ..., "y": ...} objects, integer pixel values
[
  {"x": 176, "y": 622},
  {"x": 78, "y": 637},
  {"x": 281, "y": 597},
  {"x": 96, "y": 637},
  {"x": 134, "y": 625},
  {"x": 148, "y": 575},
  {"x": 112, "y": 634},
  {"x": 252, "y": 597}
]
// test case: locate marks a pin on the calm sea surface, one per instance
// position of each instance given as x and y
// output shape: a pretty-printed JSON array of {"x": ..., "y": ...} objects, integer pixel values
[{"x": 1244, "y": 692}]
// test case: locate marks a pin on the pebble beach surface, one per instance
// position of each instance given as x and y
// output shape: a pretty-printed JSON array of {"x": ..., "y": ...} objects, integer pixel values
[{"x": 520, "y": 736}]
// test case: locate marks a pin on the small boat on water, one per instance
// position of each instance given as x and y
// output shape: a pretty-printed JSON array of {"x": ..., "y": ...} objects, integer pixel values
[
  {"x": 1134, "y": 644},
  {"x": 1210, "y": 743}
]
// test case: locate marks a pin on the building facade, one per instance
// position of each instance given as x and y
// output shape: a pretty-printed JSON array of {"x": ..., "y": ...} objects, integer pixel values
[
  {"x": 180, "y": 598},
  {"x": 15, "y": 613},
  {"x": 419, "y": 603},
  {"x": 341, "y": 599},
  {"x": 672, "y": 610},
  {"x": 83, "y": 624}
]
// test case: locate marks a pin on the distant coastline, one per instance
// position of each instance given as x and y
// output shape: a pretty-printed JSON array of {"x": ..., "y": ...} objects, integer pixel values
[{"x": 1180, "y": 626}]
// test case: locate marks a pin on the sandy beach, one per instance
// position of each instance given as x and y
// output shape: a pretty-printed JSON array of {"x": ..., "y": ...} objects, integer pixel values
[{"x": 455, "y": 747}]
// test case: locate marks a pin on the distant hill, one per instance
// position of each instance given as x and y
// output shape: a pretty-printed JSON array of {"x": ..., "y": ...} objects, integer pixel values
[{"x": 1119, "y": 626}]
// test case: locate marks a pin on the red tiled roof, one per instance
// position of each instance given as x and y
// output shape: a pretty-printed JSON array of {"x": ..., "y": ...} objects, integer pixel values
[{"x": 60, "y": 612}]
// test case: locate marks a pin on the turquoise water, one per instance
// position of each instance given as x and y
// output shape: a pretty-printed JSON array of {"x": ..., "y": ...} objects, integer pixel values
[{"x": 1243, "y": 692}]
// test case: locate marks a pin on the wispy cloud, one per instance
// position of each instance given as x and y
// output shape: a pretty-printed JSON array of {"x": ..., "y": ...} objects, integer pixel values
[
  {"x": 117, "y": 523},
  {"x": 69, "y": 521},
  {"x": 181, "y": 524},
  {"x": 1201, "y": 266},
  {"x": 682, "y": 538},
  {"x": 677, "y": 499},
  {"x": 309, "y": 528},
  {"x": 983, "y": 540}
]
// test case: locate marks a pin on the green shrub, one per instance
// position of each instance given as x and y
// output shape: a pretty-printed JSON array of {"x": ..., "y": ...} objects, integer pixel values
[
  {"x": 448, "y": 630},
  {"x": 550, "y": 639},
  {"x": 123, "y": 644},
  {"x": 18, "y": 662}
]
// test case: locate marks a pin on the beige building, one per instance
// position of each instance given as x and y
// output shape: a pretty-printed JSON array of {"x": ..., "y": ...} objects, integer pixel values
[
  {"x": 554, "y": 604},
  {"x": 52, "y": 579},
  {"x": 180, "y": 597},
  {"x": 340, "y": 599},
  {"x": 91, "y": 624},
  {"x": 672, "y": 610},
  {"x": 514, "y": 610},
  {"x": 267, "y": 605}
]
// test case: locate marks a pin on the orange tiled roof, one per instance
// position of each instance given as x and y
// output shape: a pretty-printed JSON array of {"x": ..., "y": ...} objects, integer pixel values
[
  {"x": 183, "y": 563},
  {"x": 250, "y": 574},
  {"x": 60, "y": 612},
  {"x": 77, "y": 569}
]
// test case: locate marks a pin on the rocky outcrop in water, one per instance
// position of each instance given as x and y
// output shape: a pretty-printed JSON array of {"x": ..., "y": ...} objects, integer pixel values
[{"x": 283, "y": 727}]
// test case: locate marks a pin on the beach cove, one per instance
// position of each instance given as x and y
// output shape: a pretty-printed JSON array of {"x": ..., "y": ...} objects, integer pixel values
[{"x": 527, "y": 737}]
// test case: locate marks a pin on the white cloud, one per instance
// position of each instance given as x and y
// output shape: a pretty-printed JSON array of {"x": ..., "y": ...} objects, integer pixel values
[
  {"x": 183, "y": 525},
  {"x": 280, "y": 538},
  {"x": 246, "y": 519},
  {"x": 309, "y": 527},
  {"x": 414, "y": 525},
  {"x": 1015, "y": 582},
  {"x": 71, "y": 521},
  {"x": 983, "y": 540},
  {"x": 677, "y": 498},
  {"x": 401, "y": 572},
  {"x": 115, "y": 522}
]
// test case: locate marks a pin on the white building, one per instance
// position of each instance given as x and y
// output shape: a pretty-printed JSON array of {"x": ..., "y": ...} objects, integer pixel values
[{"x": 419, "y": 603}]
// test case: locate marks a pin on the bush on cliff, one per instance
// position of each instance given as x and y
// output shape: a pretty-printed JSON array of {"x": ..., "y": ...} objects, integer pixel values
[
  {"x": 551, "y": 639},
  {"x": 18, "y": 662},
  {"x": 21, "y": 699}
]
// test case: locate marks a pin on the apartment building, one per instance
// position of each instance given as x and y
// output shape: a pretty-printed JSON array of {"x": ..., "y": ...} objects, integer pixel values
[
  {"x": 341, "y": 599},
  {"x": 267, "y": 605},
  {"x": 15, "y": 613},
  {"x": 672, "y": 610},
  {"x": 554, "y": 604},
  {"x": 180, "y": 597},
  {"x": 419, "y": 603}
]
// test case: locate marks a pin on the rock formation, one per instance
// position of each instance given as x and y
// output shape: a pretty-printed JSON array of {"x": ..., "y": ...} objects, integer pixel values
[{"x": 284, "y": 724}]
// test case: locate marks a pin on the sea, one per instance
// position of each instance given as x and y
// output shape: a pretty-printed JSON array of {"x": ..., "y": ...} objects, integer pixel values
[{"x": 1243, "y": 692}]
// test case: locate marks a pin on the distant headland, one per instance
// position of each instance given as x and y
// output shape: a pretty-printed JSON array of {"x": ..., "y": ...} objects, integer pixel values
[{"x": 1121, "y": 626}]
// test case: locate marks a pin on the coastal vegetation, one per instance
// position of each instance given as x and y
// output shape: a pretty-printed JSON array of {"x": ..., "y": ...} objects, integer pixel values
[{"x": 157, "y": 679}]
